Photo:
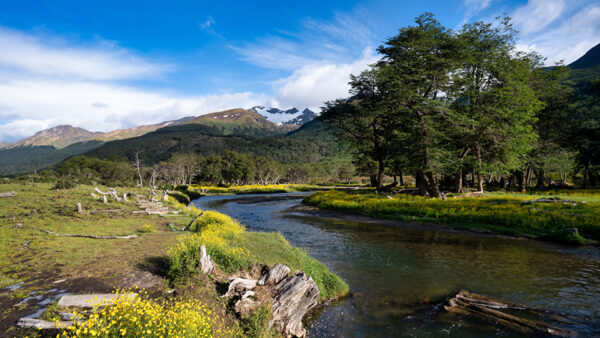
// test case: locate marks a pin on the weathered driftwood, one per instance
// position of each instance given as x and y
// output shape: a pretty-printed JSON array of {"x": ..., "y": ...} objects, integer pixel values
[
  {"x": 32, "y": 323},
  {"x": 551, "y": 200},
  {"x": 192, "y": 221},
  {"x": 91, "y": 236},
  {"x": 275, "y": 275},
  {"x": 467, "y": 303},
  {"x": 79, "y": 208},
  {"x": 113, "y": 193},
  {"x": 91, "y": 300},
  {"x": 294, "y": 297},
  {"x": 100, "y": 211},
  {"x": 238, "y": 286},
  {"x": 8, "y": 194},
  {"x": 470, "y": 194},
  {"x": 206, "y": 263}
]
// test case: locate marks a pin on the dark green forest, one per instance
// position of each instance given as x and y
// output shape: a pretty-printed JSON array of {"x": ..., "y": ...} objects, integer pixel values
[{"x": 465, "y": 108}]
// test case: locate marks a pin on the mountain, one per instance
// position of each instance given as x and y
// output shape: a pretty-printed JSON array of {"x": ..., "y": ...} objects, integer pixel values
[
  {"x": 591, "y": 59},
  {"x": 282, "y": 117},
  {"x": 58, "y": 137},
  {"x": 240, "y": 122},
  {"x": 121, "y": 134}
]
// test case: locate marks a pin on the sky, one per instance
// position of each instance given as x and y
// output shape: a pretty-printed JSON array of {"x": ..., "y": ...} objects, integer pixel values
[{"x": 105, "y": 65}]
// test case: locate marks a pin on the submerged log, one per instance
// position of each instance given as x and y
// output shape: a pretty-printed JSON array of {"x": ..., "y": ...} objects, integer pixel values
[
  {"x": 206, "y": 264},
  {"x": 294, "y": 297},
  {"x": 471, "y": 304},
  {"x": 275, "y": 274},
  {"x": 91, "y": 236}
]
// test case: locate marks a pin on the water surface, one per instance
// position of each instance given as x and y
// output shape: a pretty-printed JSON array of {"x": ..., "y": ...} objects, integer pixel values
[{"x": 400, "y": 276}]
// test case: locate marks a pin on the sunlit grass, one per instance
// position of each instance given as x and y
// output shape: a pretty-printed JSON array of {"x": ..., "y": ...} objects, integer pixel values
[
  {"x": 503, "y": 213},
  {"x": 254, "y": 189}
]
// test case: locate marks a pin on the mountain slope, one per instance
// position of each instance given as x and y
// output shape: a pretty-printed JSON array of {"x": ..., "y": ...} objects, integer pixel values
[
  {"x": 290, "y": 116},
  {"x": 121, "y": 134},
  {"x": 240, "y": 122},
  {"x": 58, "y": 137},
  {"x": 591, "y": 59}
]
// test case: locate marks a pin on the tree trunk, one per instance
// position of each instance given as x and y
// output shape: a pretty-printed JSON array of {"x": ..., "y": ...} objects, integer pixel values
[
  {"x": 541, "y": 177},
  {"x": 137, "y": 165},
  {"x": 401, "y": 179},
  {"x": 586, "y": 174},
  {"x": 459, "y": 181},
  {"x": 421, "y": 183},
  {"x": 479, "y": 164},
  {"x": 380, "y": 172},
  {"x": 434, "y": 189}
]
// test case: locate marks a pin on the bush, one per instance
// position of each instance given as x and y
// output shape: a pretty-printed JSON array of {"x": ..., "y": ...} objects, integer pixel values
[
  {"x": 145, "y": 317},
  {"x": 64, "y": 183},
  {"x": 146, "y": 228}
]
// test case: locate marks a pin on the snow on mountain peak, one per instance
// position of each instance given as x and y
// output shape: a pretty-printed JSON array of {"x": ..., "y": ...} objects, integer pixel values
[{"x": 290, "y": 116}]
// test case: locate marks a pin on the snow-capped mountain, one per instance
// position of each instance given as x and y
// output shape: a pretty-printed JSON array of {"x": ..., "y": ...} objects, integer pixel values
[{"x": 290, "y": 116}]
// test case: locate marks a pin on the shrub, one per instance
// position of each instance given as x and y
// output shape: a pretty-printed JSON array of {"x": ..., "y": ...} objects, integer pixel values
[
  {"x": 145, "y": 317},
  {"x": 64, "y": 183},
  {"x": 146, "y": 228}
]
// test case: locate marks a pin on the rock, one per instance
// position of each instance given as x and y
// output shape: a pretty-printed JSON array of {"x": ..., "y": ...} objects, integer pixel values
[
  {"x": 294, "y": 297},
  {"x": 207, "y": 264},
  {"x": 42, "y": 324},
  {"x": 91, "y": 300},
  {"x": 238, "y": 286},
  {"x": 275, "y": 274}
]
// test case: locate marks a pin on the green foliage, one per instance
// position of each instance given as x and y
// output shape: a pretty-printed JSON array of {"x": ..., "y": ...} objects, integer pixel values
[
  {"x": 64, "y": 183},
  {"x": 256, "y": 323},
  {"x": 88, "y": 170},
  {"x": 501, "y": 213}
]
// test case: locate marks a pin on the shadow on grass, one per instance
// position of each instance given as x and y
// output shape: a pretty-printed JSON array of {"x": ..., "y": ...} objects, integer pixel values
[{"x": 157, "y": 265}]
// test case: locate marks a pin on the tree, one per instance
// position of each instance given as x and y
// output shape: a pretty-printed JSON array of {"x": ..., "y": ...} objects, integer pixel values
[
  {"x": 366, "y": 122},
  {"x": 416, "y": 65}
]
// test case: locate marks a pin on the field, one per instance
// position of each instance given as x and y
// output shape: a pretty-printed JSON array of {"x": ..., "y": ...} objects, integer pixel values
[
  {"x": 45, "y": 263},
  {"x": 254, "y": 189},
  {"x": 499, "y": 212}
]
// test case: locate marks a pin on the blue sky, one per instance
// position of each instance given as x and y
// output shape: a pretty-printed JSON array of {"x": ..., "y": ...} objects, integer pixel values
[{"x": 115, "y": 64}]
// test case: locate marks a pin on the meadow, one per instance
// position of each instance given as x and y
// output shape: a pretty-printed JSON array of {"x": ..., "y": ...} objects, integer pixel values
[
  {"x": 39, "y": 260},
  {"x": 498, "y": 212},
  {"x": 254, "y": 189}
]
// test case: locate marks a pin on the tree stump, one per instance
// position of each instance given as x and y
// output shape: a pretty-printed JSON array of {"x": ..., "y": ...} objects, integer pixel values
[
  {"x": 275, "y": 275},
  {"x": 294, "y": 297}
]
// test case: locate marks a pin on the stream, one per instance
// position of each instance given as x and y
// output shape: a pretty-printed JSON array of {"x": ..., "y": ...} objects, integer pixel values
[{"x": 400, "y": 276}]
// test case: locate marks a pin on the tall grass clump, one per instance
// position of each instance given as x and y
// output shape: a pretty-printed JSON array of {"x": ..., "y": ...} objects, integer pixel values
[
  {"x": 222, "y": 237},
  {"x": 501, "y": 213},
  {"x": 145, "y": 317}
]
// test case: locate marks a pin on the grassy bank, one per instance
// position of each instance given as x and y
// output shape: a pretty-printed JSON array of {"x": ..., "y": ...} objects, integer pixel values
[
  {"x": 48, "y": 265},
  {"x": 234, "y": 249},
  {"x": 254, "y": 189},
  {"x": 502, "y": 213}
]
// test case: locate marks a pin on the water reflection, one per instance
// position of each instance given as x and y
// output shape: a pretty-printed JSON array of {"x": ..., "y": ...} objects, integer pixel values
[{"x": 398, "y": 276}]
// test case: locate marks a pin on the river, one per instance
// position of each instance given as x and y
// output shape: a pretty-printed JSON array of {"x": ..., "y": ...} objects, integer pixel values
[{"x": 400, "y": 275}]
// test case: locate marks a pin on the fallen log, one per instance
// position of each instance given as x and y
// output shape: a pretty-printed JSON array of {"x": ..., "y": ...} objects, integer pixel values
[
  {"x": 40, "y": 324},
  {"x": 471, "y": 304},
  {"x": 99, "y": 211},
  {"x": 8, "y": 194},
  {"x": 470, "y": 194},
  {"x": 192, "y": 221},
  {"x": 238, "y": 286},
  {"x": 294, "y": 297},
  {"x": 551, "y": 200},
  {"x": 91, "y": 236},
  {"x": 91, "y": 300}
]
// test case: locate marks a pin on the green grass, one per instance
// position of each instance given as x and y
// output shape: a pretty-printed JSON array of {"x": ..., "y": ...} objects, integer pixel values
[
  {"x": 233, "y": 249},
  {"x": 56, "y": 210},
  {"x": 254, "y": 189},
  {"x": 502, "y": 213}
]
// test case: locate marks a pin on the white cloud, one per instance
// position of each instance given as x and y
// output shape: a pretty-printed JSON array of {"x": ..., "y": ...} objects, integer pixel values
[
  {"x": 570, "y": 39},
  {"x": 340, "y": 40},
  {"x": 474, "y": 6},
  {"x": 537, "y": 15},
  {"x": 315, "y": 83},
  {"x": 49, "y": 56},
  {"x": 36, "y": 104},
  {"x": 207, "y": 23}
]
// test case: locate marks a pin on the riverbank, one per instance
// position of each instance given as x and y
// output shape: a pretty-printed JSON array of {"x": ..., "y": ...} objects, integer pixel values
[
  {"x": 125, "y": 248},
  {"x": 572, "y": 220}
]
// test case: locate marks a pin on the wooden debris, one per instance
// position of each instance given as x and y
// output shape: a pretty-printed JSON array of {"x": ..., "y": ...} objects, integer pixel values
[
  {"x": 467, "y": 303},
  {"x": 91, "y": 236},
  {"x": 551, "y": 200},
  {"x": 294, "y": 297},
  {"x": 100, "y": 211},
  {"x": 91, "y": 300},
  {"x": 275, "y": 275},
  {"x": 192, "y": 221},
  {"x": 206, "y": 263},
  {"x": 238, "y": 286},
  {"x": 33, "y": 323},
  {"x": 8, "y": 194},
  {"x": 470, "y": 194},
  {"x": 79, "y": 208}
]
